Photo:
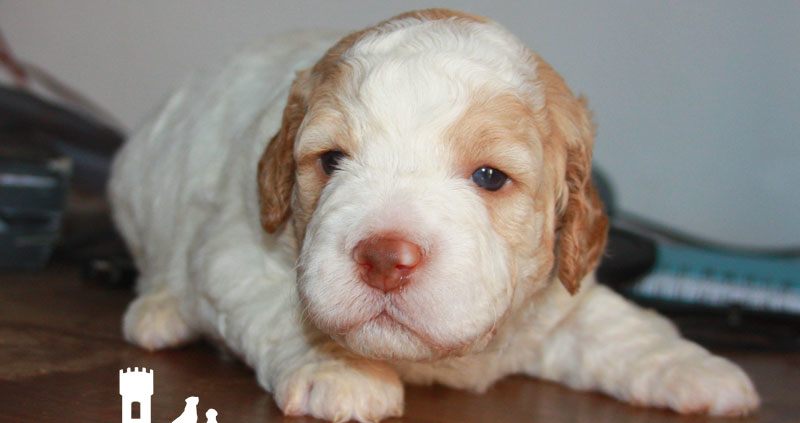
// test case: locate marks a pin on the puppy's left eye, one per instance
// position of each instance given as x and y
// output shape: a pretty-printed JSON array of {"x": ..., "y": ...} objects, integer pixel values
[
  {"x": 489, "y": 178},
  {"x": 330, "y": 161}
]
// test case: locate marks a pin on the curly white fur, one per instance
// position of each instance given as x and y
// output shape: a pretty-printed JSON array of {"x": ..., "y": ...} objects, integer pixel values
[{"x": 486, "y": 303}]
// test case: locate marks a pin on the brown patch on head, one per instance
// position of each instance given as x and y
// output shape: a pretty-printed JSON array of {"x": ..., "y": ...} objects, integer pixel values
[
  {"x": 498, "y": 130},
  {"x": 550, "y": 210},
  {"x": 276, "y": 168}
]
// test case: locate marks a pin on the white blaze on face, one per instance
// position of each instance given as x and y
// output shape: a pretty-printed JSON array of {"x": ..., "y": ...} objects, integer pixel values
[{"x": 402, "y": 176}]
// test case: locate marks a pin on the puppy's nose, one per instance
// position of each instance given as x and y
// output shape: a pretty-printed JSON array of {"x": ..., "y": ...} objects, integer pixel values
[{"x": 386, "y": 262}]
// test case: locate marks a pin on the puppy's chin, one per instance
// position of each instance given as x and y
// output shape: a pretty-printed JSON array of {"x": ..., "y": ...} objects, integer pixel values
[{"x": 383, "y": 338}]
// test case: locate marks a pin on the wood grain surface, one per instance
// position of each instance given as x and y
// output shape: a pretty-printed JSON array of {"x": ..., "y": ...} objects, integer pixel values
[{"x": 61, "y": 350}]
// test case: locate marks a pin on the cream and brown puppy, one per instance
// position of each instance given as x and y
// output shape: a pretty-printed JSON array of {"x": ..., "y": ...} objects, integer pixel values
[{"x": 419, "y": 210}]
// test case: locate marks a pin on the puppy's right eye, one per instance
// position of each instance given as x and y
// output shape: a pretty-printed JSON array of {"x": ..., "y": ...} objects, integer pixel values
[{"x": 330, "y": 161}]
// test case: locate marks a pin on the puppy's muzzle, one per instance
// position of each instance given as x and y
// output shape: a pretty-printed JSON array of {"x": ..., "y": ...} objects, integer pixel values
[{"x": 385, "y": 262}]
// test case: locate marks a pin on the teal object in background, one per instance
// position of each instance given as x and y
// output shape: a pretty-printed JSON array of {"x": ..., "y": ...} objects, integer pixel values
[{"x": 704, "y": 277}]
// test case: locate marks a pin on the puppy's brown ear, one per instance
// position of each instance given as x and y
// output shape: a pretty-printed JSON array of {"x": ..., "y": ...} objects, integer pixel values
[
  {"x": 276, "y": 167},
  {"x": 582, "y": 225}
]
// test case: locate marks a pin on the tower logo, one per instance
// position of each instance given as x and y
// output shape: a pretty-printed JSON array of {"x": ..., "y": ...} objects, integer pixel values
[{"x": 136, "y": 389}]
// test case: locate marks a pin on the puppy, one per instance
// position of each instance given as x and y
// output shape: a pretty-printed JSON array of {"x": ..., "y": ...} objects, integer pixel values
[{"x": 411, "y": 204}]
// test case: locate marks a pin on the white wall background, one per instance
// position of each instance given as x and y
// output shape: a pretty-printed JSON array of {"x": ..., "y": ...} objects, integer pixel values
[{"x": 697, "y": 102}]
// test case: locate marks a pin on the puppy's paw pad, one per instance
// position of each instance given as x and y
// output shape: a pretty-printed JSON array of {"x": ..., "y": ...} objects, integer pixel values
[
  {"x": 342, "y": 390},
  {"x": 709, "y": 385},
  {"x": 153, "y": 322}
]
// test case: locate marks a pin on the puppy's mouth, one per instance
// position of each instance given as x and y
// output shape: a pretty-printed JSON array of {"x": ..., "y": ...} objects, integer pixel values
[
  {"x": 388, "y": 336},
  {"x": 385, "y": 321}
]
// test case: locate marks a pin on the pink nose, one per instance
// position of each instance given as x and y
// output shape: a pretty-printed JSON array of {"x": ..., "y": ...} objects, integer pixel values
[{"x": 386, "y": 262}]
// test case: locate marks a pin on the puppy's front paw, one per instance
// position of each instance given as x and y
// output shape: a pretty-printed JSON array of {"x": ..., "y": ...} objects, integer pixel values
[
  {"x": 153, "y": 321},
  {"x": 341, "y": 390},
  {"x": 709, "y": 384}
]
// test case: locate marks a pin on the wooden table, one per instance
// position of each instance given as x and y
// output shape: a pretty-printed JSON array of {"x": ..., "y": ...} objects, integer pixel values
[{"x": 61, "y": 351}]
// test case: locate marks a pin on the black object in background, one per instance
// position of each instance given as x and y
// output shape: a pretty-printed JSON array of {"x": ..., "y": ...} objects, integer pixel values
[{"x": 627, "y": 258}]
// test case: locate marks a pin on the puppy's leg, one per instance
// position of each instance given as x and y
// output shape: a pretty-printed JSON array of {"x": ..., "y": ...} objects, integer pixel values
[
  {"x": 330, "y": 384},
  {"x": 248, "y": 298},
  {"x": 153, "y": 321},
  {"x": 638, "y": 356}
]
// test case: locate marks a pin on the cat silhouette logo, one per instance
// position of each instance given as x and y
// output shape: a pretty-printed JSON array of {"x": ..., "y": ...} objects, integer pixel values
[{"x": 136, "y": 389}]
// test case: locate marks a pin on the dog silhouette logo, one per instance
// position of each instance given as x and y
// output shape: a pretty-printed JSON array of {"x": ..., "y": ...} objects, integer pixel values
[{"x": 136, "y": 389}]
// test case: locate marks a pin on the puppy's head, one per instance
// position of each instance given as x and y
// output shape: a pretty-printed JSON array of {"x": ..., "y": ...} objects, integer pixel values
[{"x": 437, "y": 174}]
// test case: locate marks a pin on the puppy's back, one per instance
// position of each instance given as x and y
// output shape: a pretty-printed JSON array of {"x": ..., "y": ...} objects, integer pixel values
[{"x": 178, "y": 167}]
